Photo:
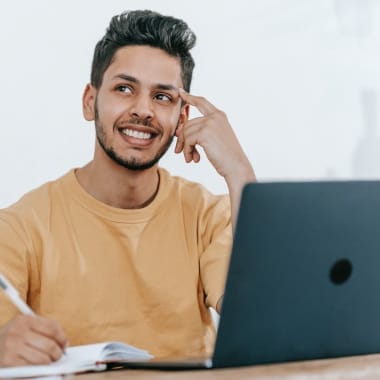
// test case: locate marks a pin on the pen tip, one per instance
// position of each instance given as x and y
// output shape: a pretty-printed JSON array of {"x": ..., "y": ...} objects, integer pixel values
[{"x": 3, "y": 285}]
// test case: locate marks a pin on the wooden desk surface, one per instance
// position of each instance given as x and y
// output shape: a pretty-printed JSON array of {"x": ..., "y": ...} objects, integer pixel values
[{"x": 357, "y": 367}]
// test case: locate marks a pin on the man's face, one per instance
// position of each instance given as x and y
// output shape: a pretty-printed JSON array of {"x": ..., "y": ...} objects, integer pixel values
[{"x": 137, "y": 108}]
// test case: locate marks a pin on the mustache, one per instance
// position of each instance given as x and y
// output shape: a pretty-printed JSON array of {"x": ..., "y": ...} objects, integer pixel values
[{"x": 136, "y": 121}]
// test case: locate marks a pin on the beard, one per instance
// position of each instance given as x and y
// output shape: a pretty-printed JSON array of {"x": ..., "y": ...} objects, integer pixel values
[{"x": 131, "y": 163}]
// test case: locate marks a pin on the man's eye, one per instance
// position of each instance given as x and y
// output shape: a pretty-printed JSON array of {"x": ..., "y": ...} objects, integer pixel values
[
  {"x": 163, "y": 97},
  {"x": 125, "y": 89}
]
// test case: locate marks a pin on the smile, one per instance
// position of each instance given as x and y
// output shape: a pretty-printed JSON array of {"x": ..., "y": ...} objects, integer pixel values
[{"x": 136, "y": 134}]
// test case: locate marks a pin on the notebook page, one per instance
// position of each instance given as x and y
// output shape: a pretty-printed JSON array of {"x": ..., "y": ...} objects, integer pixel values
[
  {"x": 56, "y": 368},
  {"x": 84, "y": 353},
  {"x": 118, "y": 350}
]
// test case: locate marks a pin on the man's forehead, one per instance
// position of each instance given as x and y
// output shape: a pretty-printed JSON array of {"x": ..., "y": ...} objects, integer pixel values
[{"x": 145, "y": 65}]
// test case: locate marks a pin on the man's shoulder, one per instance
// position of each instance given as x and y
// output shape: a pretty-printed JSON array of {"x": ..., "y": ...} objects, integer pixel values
[
  {"x": 193, "y": 192},
  {"x": 38, "y": 199}
]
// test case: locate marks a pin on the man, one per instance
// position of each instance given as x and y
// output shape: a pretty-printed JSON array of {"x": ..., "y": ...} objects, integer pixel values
[{"x": 119, "y": 249}]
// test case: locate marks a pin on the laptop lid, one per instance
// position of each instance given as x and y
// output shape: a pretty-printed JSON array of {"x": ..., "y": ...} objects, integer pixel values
[{"x": 304, "y": 276}]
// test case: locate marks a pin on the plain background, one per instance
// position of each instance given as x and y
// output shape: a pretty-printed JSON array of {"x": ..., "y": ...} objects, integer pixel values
[{"x": 298, "y": 80}]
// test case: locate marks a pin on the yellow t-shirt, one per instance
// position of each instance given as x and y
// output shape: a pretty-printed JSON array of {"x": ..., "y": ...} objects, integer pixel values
[{"x": 143, "y": 276}]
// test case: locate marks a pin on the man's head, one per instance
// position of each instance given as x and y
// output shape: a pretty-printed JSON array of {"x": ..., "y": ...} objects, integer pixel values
[
  {"x": 145, "y": 27},
  {"x": 138, "y": 68}
]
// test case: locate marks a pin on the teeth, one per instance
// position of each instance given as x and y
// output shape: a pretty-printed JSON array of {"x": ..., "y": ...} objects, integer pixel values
[{"x": 136, "y": 134}]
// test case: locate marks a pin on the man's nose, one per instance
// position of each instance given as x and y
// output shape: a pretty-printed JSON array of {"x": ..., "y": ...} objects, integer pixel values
[{"x": 142, "y": 107}]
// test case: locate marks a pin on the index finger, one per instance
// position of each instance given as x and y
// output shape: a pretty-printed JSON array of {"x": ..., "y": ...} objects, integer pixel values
[{"x": 201, "y": 103}]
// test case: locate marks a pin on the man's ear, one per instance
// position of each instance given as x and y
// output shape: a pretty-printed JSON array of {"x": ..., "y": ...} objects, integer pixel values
[
  {"x": 88, "y": 102},
  {"x": 183, "y": 118}
]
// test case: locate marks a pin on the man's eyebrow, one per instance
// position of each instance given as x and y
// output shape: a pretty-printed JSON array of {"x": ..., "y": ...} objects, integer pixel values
[
  {"x": 160, "y": 86},
  {"x": 167, "y": 87},
  {"x": 126, "y": 77}
]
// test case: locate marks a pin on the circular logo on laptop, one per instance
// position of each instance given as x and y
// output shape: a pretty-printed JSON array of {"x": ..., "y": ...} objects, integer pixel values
[{"x": 341, "y": 271}]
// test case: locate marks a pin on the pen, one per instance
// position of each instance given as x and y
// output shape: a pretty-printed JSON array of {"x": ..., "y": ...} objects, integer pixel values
[{"x": 13, "y": 295}]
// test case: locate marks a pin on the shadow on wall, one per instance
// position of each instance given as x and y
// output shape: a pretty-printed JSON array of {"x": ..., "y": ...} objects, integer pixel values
[
  {"x": 355, "y": 20},
  {"x": 366, "y": 156}
]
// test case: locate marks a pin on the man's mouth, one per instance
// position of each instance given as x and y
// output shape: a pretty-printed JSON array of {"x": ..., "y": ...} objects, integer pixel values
[{"x": 136, "y": 134}]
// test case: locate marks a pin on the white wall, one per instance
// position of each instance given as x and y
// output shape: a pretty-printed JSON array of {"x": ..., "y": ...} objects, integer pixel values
[{"x": 298, "y": 79}]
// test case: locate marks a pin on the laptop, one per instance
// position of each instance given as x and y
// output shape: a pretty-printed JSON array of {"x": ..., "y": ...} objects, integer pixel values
[{"x": 304, "y": 276}]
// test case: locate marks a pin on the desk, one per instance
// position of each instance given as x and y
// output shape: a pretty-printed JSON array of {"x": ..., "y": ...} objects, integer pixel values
[{"x": 357, "y": 367}]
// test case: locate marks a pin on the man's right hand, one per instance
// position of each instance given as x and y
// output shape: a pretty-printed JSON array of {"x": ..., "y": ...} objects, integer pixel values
[{"x": 31, "y": 340}]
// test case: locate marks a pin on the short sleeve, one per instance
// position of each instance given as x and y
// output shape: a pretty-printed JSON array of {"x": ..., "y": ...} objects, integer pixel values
[{"x": 13, "y": 264}]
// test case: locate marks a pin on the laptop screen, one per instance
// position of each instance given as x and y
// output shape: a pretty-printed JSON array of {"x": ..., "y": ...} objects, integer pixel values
[{"x": 304, "y": 274}]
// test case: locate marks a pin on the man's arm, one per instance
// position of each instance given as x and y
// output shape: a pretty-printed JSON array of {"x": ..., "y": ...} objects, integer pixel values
[
  {"x": 24, "y": 339},
  {"x": 214, "y": 134}
]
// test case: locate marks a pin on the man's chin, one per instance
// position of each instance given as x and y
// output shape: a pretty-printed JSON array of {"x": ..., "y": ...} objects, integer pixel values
[
  {"x": 135, "y": 164},
  {"x": 140, "y": 166}
]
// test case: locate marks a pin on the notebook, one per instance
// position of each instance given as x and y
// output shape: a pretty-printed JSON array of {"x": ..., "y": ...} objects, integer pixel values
[
  {"x": 304, "y": 277},
  {"x": 77, "y": 359}
]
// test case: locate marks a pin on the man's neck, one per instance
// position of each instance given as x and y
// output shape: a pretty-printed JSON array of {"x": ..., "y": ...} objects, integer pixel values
[{"x": 119, "y": 187}]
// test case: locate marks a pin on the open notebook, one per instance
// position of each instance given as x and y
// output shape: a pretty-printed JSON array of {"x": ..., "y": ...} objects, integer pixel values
[{"x": 92, "y": 357}]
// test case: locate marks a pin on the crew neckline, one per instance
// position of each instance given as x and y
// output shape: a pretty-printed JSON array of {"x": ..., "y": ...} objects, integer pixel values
[{"x": 114, "y": 213}]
